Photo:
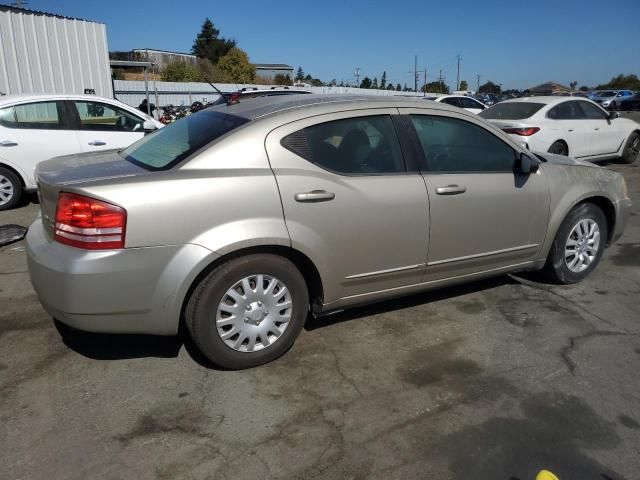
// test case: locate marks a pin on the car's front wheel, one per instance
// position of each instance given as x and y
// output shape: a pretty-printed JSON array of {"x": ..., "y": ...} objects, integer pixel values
[
  {"x": 613, "y": 106},
  {"x": 559, "y": 148},
  {"x": 578, "y": 245},
  {"x": 248, "y": 311},
  {"x": 631, "y": 151},
  {"x": 10, "y": 189}
]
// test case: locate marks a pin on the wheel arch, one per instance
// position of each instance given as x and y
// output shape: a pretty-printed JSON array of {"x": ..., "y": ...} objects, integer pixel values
[
  {"x": 14, "y": 171},
  {"x": 607, "y": 208},
  {"x": 302, "y": 262},
  {"x": 564, "y": 142}
]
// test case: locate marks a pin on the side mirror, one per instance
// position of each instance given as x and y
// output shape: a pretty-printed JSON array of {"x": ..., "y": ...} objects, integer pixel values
[
  {"x": 148, "y": 126},
  {"x": 527, "y": 165},
  {"x": 612, "y": 115}
]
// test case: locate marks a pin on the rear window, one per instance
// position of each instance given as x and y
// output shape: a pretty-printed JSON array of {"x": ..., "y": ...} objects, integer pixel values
[
  {"x": 169, "y": 145},
  {"x": 511, "y": 111}
]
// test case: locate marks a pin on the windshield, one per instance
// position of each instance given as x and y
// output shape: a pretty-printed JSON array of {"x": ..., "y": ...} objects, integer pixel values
[
  {"x": 606, "y": 94},
  {"x": 511, "y": 111},
  {"x": 169, "y": 145}
]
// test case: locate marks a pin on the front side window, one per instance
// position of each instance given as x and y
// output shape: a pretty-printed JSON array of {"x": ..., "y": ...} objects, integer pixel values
[
  {"x": 451, "y": 101},
  {"x": 352, "y": 146},
  {"x": 592, "y": 112},
  {"x": 96, "y": 116},
  {"x": 453, "y": 145},
  {"x": 566, "y": 111},
  {"x": 469, "y": 103},
  {"x": 170, "y": 145},
  {"x": 40, "y": 115}
]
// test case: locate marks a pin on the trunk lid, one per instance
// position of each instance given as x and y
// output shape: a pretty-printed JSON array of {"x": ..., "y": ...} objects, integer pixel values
[{"x": 60, "y": 173}]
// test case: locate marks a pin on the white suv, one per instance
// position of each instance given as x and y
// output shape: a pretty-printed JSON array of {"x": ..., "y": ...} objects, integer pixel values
[{"x": 36, "y": 127}]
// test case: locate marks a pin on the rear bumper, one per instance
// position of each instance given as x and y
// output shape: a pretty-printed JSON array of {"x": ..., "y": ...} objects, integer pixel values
[
  {"x": 135, "y": 290},
  {"x": 623, "y": 208}
]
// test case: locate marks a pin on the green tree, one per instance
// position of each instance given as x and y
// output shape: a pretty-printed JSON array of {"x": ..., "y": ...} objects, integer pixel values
[
  {"x": 436, "y": 87},
  {"x": 383, "y": 80},
  {"x": 464, "y": 85},
  {"x": 366, "y": 83},
  {"x": 316, "y": 82},
  {"x": 300, "y": 74},
  {"x": 181, "y": 72},
  {"x": 236, "y": 66},
  {"x": 209, "y": 45},
  {"x": 375, "y": 83},
  {"x": 584, "y": 88},
  {"x": 573, "y": 84},
  {"x": 391, "y": 87},
  {"x": 398, "y": 88},
  {"x": 630, "y": 82},
  {"x": 308, "y": 78},
  {"x": 282, "y": 79},
  {"x": 489, "y": 87}
]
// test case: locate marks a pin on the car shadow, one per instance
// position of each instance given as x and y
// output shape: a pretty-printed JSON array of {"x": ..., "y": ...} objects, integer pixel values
[{"x": 103, "y": 346}]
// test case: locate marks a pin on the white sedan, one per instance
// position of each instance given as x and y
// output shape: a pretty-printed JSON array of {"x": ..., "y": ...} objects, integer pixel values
[
  {"x": 567, "y": 126},
  {"x": 460, "y": 101},
  {"x": 36, "y": 127}
]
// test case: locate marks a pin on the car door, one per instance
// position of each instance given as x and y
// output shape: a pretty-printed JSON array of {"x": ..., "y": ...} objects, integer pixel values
[
  {"x": 103, "y": 126},
  {"x": 350, "y": 203},
  {"x": 483, "y": 215},
  {"x": 606, "y": 137},
  {"x": 33, "y": 132},
  {"x": 573, "y": 127}
]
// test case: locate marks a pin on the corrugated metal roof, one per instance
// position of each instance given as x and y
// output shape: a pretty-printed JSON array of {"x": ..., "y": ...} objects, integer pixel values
[
  {"x": 274, "y": 66},
  {"x": 38, "y": 12}
]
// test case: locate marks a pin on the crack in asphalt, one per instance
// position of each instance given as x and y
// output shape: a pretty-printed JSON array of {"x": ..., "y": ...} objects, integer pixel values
[
  {"x": 575, "y": 341},
  {"x": 344, "y": 376}
]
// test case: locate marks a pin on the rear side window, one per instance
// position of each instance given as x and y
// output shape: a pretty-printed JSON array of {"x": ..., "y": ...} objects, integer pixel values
[
  {"x": 168, "y": 146},
  {"x": 352, "y": 146},
  {"x": 96, "y": 116},
  {"x": 453, "y": 145},
  {"x": 40, "y": 115},
  {"x": 451, "y": 101},
  {"x": 511, "y": 111},
  {"x": 566, "y": 111}
]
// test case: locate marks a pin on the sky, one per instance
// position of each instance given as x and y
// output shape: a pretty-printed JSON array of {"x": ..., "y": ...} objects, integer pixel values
[{"x": 518, "y": 44}]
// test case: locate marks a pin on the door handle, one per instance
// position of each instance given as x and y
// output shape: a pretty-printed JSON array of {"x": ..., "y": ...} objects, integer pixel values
[
  {"x": 315, "y": 196},
  {"x": 97, "y": 143},
  {"x": 451, "y": 190},
  {"x": 570, "y": 129},
  {"x": 597, "y": 128},
  {"x": 8, "y": 143}
]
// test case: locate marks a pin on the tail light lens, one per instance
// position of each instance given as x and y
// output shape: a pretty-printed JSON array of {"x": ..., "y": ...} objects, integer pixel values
[
  {"x": 87, "y": 223},
  {"x": 525, "y": 132}
]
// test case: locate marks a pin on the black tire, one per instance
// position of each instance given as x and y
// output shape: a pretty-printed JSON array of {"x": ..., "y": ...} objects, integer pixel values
[
  {"x": 559, "y": 148},
  {"x": 200, "y": 314},
  {"x": 631, "y": 151},
  {"x": 613, "y": 106},
  {"x": 10, "y": 180},
  {"x": 556, "y": 267}
]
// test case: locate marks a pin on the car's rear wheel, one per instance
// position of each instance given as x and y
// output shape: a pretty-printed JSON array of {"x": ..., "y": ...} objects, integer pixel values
[
  {"x": 631, "y": 151},
  {"x": 10, "y": 189},
  {"x": 578, "y": 245},
  {"x": 248, "y": 311},
  {"x": 559, "y": 148}
]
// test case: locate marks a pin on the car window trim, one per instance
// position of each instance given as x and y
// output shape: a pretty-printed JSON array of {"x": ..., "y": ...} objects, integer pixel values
[
  {"x": 423, "y": 159},
  {"x": 77, "y": 121},
  {"x": 60, "y": 110}
]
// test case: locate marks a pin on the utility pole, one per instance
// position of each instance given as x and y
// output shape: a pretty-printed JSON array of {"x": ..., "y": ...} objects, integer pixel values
[
  {"x": 415, "y": 73},
  {"x": 356, "y": 72},
  {"x": 425, "y": 80},
  {"x": 441, "y": 79},
  {"x": 478, "y": 78},
  {"x": 458, "y": 77}
]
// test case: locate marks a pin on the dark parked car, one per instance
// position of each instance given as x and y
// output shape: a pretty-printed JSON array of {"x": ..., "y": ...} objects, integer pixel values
[{"x": 631, "y": 103}]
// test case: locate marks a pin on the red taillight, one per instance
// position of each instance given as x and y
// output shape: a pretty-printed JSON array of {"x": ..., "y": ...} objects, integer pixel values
[
  {"x": 85, "y": 222},
  {"x": 525, "y": 132}
]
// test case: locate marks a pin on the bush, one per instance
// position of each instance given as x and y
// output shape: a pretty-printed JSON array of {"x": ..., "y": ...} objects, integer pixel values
[{"x": 182, "y": 72}]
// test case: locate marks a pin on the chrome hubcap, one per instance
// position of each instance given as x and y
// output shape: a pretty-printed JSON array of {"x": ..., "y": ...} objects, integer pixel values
[
  {"x": 254, "y": 313},
  {"x": 6, "y": 190},
  {"x": 582, "y": 245}
]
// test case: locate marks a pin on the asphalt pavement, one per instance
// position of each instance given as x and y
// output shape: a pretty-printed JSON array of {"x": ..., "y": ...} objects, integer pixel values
[{"x": 492, "y": 380}]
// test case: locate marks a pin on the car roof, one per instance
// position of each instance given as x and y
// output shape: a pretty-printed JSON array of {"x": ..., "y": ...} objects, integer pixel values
[
  {"x": 258, "y": 107},
  {"x": 27, "y": 97},
  {"x": 547, "y": 100}
]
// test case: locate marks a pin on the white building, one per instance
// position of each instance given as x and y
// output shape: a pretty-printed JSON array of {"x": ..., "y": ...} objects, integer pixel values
[{"x": 43, "y": 52}]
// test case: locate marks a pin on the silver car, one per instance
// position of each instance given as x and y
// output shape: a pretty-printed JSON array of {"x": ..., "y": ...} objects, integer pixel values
[{"x": 242, "y": 220}]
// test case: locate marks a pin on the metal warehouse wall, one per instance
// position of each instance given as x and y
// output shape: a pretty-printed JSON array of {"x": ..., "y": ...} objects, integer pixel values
[{"x": 44, "y": 53}]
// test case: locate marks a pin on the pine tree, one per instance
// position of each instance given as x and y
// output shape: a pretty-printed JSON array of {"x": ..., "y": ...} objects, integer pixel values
[
  {"x": 366, "y": 83},
  {"x": 300, "y": 74},
  {"x": 209, "y": 45},
  {"x": 398, "y": 88},
  {"x": 383, "y": 80},
  {"x": 375, "y": 83}
]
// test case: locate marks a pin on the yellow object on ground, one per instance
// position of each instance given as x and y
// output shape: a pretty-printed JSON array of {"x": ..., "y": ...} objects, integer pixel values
[{"x": 546, "y": 475}]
